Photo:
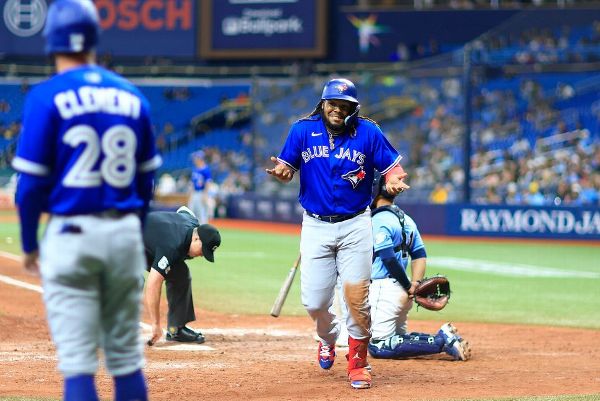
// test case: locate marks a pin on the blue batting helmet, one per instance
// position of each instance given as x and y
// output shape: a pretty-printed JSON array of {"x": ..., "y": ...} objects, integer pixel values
[
  {"x": 72, "y": 26},
  {"x": 340, "y": 88}
]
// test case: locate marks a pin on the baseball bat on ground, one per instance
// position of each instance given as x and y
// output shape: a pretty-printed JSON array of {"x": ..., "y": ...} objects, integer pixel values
[{"x": 285, "y": 289}]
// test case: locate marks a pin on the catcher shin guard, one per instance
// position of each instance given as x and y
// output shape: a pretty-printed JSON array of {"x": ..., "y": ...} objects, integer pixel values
[
  {"x": 358, "y": 372},
  {"x": 406, "y": 346}
]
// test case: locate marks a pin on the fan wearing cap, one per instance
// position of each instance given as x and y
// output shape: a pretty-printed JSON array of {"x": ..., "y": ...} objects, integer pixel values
[{"x": 171, "y": 238}]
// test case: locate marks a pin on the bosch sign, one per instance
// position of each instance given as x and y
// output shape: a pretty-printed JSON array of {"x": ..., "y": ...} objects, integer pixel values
[{"x": 152, "y": 15}]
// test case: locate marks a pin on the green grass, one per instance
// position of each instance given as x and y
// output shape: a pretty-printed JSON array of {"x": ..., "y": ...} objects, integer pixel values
[{"x": 250, "y": 268}]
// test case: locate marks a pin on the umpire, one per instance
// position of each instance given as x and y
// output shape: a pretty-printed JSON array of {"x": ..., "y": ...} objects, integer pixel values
[{"x": 170, "y": 238}]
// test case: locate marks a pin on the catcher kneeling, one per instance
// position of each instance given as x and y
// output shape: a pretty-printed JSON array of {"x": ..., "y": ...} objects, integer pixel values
[{"x": 391, "y": 294}]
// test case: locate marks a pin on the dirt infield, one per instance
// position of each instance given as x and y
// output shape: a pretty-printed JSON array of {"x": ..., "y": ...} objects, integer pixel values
[{"x": 263, "y": 358}]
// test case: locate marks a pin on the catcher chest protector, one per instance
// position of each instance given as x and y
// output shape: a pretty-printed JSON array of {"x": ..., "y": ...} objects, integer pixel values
[{"x": 400, "y": 215}]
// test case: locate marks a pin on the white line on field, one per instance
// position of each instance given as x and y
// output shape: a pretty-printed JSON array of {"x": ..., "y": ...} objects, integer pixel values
[
  {"x": 507, "y": 269},
  {"x": 22, "y": 284},
  {"x": 11, "y": 256}
]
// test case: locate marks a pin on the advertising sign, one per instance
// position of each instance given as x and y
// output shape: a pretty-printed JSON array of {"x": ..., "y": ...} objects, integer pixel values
[
  {"x": 572, "y": 223},
  {"x": 130, "y": 28},
  {"x": 263, "y": 28},
  {"x": 524, "y": 221}
]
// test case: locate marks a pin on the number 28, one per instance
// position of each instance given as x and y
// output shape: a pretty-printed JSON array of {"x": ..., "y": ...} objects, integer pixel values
[{"x": 118, "y": 144}]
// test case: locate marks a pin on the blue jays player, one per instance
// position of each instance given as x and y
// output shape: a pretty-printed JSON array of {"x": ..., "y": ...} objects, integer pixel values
[
  {"x": 198, "y": 202},
  {"x": 86, "y": 156},
  {"x": 396, "y": 239},
  {"x": 337, "y": 152}
]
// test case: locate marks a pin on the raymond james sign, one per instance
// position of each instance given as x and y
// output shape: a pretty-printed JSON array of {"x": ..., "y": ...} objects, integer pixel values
[
  {"x": 262, "y": 28},
  {"x": 523, "y": 221}
]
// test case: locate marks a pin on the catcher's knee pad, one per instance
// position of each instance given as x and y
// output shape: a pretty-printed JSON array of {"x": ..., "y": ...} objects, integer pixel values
[{"x": 406, "y": 346}]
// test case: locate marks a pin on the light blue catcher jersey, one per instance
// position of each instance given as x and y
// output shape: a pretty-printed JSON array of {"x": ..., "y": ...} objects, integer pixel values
[
  {"x": 336, "y": 179},
  {"x": 387, "y": 233},
  {"x": 199, "y": 177},
  {"x": 88, "y": 131}
]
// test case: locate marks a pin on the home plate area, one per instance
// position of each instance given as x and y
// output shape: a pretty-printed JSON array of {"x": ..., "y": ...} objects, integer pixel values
[{"x": 164, "y": 345}]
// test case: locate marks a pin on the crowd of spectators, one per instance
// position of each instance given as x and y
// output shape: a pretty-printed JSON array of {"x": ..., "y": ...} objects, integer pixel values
[
  {"x": 535, "y": 45},
  {"x": 526, "y": 148},
  {"x": 230, "y": 176},
  {"x": 462, "y": 4},
  {"x": 525, "y": 151}
]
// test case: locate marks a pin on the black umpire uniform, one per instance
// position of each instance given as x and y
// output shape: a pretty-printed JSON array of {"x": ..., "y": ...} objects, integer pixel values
[{"x": 167, "y": 238}]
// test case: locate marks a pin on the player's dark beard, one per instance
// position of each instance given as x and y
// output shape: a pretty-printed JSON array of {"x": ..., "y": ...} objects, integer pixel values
[{"x": 335, "y": 129}]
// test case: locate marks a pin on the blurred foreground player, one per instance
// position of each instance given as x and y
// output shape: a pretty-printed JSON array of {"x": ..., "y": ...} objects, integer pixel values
[{"x": 87, "y": 156}]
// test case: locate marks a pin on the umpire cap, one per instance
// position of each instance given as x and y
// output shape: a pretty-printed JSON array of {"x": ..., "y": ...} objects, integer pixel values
[{"x": 211, "y": 240}]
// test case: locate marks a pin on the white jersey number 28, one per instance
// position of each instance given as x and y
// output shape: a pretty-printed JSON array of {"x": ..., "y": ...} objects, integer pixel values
[{"x": 118, "y": 146}]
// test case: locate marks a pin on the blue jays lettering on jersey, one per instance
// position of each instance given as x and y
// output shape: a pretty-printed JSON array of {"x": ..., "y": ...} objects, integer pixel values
[
  {"x": 387, "y": 234},
  {"x": 86, "y": 138},
  {"x": 199, "y": 177},
  {"x": 339, "y": 171}
]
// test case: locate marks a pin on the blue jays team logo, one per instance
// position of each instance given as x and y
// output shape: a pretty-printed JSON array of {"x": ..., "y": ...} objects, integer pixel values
[
  {"x": 355, "y": 176},
  {"x": 342, "y": 88}
]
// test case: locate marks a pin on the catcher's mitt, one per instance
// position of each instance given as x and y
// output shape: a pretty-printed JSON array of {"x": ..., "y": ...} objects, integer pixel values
[{"x": 433, "y": 293}]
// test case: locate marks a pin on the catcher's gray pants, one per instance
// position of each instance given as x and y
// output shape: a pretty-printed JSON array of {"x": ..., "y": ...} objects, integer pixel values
[
  {"x": 92, "y": 272},
  {"x": 389, "y": 308}
]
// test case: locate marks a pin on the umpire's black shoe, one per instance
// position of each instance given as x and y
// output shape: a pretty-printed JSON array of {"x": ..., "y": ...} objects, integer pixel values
[{"x": 185, "y": 335}]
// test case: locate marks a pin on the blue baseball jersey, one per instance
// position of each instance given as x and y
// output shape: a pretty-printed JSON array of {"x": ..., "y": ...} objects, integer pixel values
[
  {"x": 200, "y": 177},
  {"x": 387, "y": 233},
  {"x": 86, "y": 145},
  {"x": 336, "y": 172}
]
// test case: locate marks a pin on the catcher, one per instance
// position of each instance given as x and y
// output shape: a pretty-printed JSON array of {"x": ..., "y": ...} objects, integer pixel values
[{"x": 396, "y": 239}]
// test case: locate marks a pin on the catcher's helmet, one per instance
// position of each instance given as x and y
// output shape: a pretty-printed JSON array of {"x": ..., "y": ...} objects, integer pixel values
[
  {"x": 340, "y": 88},
  {"x": 72, "y": 26},
  {"x": 378, "y": 188}
]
